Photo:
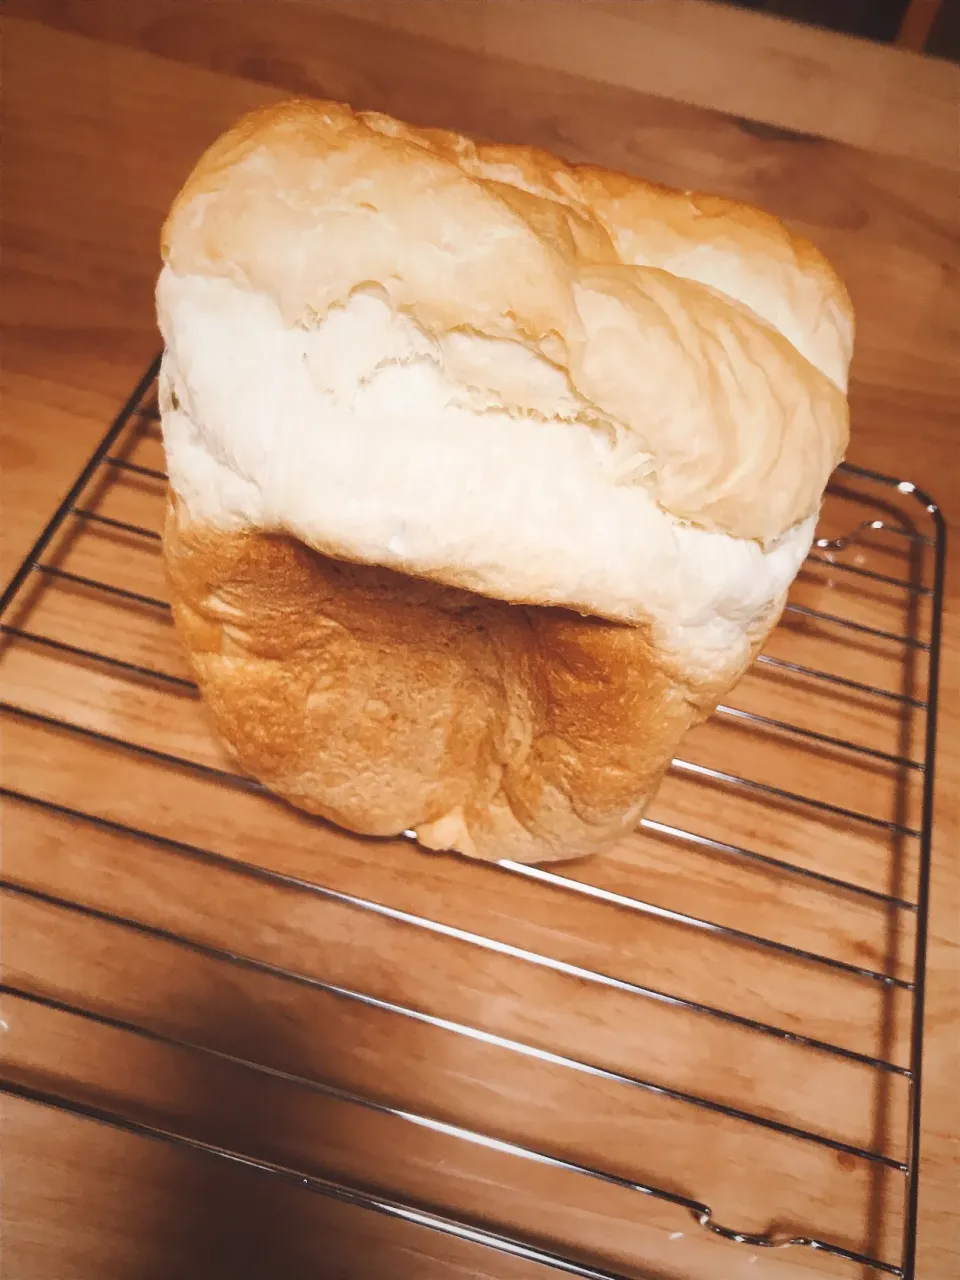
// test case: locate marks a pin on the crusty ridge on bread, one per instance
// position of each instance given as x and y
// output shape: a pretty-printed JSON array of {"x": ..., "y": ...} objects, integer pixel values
[
  {"x": 489, "y": 473},
  {"x": 632, "y": 290}
]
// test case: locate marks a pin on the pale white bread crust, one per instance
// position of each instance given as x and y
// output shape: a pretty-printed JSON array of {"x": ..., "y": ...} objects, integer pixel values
[
  {"x": 610, "y": 278},
  {"x": 661, "y": 374}
]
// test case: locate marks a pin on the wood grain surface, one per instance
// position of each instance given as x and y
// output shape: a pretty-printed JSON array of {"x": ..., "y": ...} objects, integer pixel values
[{"x": 106, "y": 105}]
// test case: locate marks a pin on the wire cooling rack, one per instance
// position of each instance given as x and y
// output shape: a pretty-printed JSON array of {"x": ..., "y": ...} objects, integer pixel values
[{"x": 717, "y": 1031}]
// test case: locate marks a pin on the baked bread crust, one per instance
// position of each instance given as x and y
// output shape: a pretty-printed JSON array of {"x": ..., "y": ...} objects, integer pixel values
[
  {"x": 714, "y": 339},
  {"x": 637, "y": 394}
]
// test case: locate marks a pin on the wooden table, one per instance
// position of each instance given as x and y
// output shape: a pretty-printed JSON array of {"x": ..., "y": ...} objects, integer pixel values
[{"x": 107, "y": 104}]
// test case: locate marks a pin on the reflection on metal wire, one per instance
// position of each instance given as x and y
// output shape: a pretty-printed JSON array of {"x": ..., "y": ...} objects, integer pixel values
[{"x": 866, "y": 526}]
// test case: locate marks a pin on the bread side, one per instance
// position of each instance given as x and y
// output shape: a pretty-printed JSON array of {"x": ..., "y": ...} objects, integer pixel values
[{"x": 386, "y": 703}]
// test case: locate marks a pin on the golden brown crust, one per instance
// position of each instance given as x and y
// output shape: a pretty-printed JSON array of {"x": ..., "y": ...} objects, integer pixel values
[{"x": 385, "y": 703}]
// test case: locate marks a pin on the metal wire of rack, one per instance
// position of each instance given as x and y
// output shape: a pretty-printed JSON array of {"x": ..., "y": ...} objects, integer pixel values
[{"x": 889, "y": 512}]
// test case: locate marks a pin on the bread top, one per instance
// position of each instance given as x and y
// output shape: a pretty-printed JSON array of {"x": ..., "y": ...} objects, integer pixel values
[{"x": 477, "y": 363}]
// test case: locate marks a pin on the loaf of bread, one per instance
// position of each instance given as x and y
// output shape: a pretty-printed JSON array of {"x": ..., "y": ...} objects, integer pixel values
[{"x": 489, "y": 473}]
